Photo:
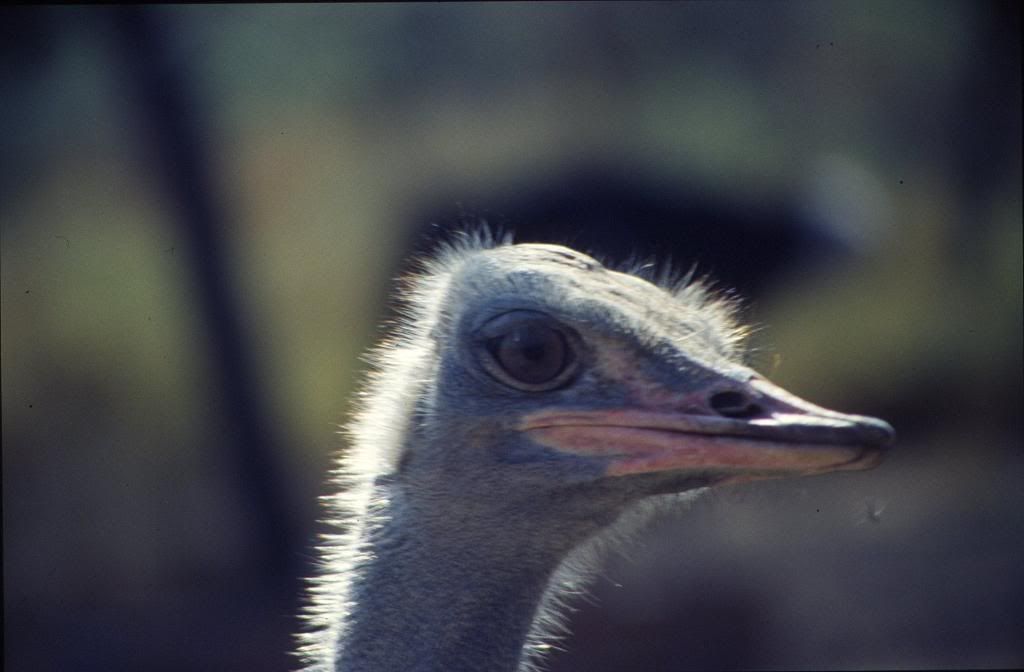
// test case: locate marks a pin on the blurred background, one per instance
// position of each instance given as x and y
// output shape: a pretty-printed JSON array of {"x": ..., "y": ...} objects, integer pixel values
[{"x": 202, "y": 208}]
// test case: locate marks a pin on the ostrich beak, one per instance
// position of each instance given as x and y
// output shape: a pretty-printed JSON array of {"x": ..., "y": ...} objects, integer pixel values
[{"x": 743, "y": 432}]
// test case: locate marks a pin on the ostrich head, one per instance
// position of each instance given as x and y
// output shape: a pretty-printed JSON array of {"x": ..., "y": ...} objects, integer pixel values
[
  {"x": 533, "y": 372},
  {"x": 531, "y": 399}
]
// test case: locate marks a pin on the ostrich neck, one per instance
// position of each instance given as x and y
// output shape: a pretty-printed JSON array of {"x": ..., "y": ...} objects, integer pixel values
[{"x": 449, "y": 590}]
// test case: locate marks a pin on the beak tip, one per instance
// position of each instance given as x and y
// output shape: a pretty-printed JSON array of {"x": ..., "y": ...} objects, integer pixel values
[{"x": 878, "y": 432}]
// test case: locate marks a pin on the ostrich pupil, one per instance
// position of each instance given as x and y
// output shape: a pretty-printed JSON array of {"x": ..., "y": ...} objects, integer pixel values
[{"x": 532, "y": 353}]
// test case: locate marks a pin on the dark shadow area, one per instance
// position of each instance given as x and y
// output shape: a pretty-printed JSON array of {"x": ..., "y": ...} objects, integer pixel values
[{"x": 623, "y": 213}]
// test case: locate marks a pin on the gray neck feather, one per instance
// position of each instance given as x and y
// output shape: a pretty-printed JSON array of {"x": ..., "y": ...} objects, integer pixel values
[{"x": 443, "y": 592}]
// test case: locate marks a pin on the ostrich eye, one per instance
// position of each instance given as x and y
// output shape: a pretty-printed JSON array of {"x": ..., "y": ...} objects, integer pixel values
[
  {"x": 528, "y": 351},
  {"x": 531, "y": 353}
]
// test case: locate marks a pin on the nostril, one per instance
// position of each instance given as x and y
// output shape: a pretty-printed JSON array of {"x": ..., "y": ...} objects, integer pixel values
[{"x": 734, "y": 404}]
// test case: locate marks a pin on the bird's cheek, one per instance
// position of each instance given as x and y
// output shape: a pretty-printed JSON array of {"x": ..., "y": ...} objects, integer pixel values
[{"x": 625, "y": 370}]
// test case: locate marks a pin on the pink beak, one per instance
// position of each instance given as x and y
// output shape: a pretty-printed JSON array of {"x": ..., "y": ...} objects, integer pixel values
[{"x": 751, "y": 431}]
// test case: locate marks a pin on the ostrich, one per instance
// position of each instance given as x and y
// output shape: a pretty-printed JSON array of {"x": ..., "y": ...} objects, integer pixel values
[{"x": 533, "y": 404}]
